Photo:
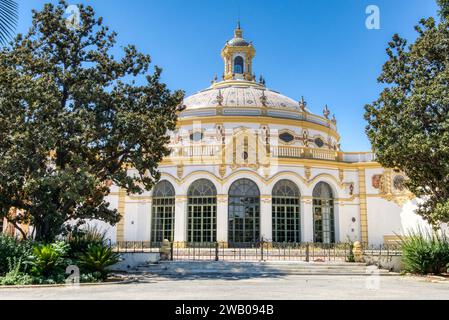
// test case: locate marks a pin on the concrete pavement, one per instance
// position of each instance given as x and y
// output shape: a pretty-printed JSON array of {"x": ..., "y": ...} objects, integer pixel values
[{"x": 232, "y": 287}]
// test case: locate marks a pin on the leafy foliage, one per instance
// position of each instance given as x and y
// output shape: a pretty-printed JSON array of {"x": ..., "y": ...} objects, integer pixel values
[
  {"x": 97, "y": 258},
  {"x": 14, "y": 275},
  {"x": 80, "y": 239},
  {"x": 49, "y": 260},
  {"x": 8, "y": 19},
  {"x": 408, "y": 125},
  {"x": 73, "y": 119},
  {"x": 12, "y": 248},
  {"x": 425, "y": 252}
]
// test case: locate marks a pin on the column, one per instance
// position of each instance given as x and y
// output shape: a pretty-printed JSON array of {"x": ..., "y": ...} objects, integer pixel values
[
  {"x": 222, "y": 219},
  {"x": 307, "y": 219},
  {"x": 266, "y": 223},
  {"x": 120, "y": 235},
  {"x": 363, "y": 207},
  {"x": 180, "y": 220}
]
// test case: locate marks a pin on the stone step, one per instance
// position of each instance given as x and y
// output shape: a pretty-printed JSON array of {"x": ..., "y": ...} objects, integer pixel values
[{"x": 180, "y": 268}]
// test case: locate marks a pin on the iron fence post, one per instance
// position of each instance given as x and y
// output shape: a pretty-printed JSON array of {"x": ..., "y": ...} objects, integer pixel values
[
  {"x": 171, "y": 250},
  {"x": 216, "y": 251},
  {"x": 307, "y": 252},
  {"x": 261, "y": 250}
]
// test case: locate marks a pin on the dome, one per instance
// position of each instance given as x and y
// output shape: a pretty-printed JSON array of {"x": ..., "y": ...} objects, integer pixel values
[
  {"x": 238, "y": 42},
  {"x": 238, "y": 94}
]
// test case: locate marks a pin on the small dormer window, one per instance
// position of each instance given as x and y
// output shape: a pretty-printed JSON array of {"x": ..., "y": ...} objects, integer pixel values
[{"x": 238, "y": 65}]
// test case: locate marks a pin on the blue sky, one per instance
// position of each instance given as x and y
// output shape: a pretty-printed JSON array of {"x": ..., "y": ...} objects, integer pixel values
[{"x": 319, "y": 49}]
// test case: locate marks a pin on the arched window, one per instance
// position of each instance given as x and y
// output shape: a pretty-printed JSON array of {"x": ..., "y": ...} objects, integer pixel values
[
  {"x": 238, "y": 65},
  {"x": 163, "y": 212},
  {"x": 202, "y": 212},
  {"x": 286, "y": 212},
  {"x": 244, "y": 212},
  {"x": 323, "y": 213}
]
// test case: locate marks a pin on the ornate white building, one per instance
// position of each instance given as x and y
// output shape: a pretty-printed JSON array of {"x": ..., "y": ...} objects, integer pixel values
[{"x": 249, "y": 163}]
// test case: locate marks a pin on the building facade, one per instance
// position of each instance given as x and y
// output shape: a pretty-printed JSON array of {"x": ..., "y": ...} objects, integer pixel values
[{"x": 248, "y": 163}]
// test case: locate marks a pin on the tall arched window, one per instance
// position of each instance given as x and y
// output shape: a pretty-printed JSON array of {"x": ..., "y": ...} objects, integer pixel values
[
  {"x": 202, "y": 212},
  {"x": 244, "y": 212},
  {"x": 238, "y": 65},
  {"x": 323, "y": 213},
  {"x": 286, "y": 212},
  {"x": 163, "y": 212}
]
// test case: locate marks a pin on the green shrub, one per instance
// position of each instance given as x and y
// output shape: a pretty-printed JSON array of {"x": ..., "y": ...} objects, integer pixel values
[
  {"x": 97, "y": 258},
  {"x": 49, "y": 261},
  {"x": 80, "y": 239},
  {"x": 425, "y": 252},
  {"x": 10, "y": 248},
  {"x": 14, "y": 275},
  {"x": 90, "y": 277},
  {"x": 350, "y": 257}
]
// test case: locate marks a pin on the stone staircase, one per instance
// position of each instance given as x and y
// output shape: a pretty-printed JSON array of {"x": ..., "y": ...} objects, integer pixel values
[{"x": 204, "y": 268}]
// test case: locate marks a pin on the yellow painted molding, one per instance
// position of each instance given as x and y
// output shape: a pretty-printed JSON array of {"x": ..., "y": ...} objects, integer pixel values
[
  {"x": 300, "y": 162},
  {"x": 248, "y": 119},
  {"x": 121, "y": 209},
  {"x": 363, "y": 208}
]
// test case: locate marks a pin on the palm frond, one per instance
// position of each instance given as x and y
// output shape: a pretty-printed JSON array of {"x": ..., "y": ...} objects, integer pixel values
[{"x": 8, "y": 20}]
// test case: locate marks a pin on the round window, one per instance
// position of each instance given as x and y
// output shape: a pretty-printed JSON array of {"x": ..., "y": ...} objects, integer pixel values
[
  {"x": 399, "y": 183},
  {"x": 196, "y": 136}
]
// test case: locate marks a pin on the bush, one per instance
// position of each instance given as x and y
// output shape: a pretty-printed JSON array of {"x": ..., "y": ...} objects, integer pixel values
[
  {"x": 97, "y": 258},
  {"x": 350, "y": 257},
  {"x": 49, "y": 261},
  {"x": 80, "y": 239},
  {"x": 425, "y": 252},
  {"x": 14, "y": 275},
  {"x": 11, "y": 248}
]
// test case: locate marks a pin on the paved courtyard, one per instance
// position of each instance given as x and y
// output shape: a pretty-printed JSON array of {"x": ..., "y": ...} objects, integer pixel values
[{"x": 253, "y": 288}]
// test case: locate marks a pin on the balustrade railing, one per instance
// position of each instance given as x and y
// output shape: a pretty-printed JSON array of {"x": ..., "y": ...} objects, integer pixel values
[{"x": 295, "y": 152}]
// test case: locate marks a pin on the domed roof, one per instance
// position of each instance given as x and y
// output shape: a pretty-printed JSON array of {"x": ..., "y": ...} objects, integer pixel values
[
  {"x": 238, "y": 42},
  {"x": 240, "y": 94}
]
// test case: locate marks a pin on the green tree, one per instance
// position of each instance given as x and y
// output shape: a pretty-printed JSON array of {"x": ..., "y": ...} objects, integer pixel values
[
  {"x": 409, "y": 123},
  {"x": 73, "y": 119},
  {"x": 8, "y": 19}
]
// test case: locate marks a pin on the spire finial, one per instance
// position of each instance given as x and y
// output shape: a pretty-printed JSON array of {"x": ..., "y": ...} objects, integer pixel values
[{"x": 326, "y": 112}]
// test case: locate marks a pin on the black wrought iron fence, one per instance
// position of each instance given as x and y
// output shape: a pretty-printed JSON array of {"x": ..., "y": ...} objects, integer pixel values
[
  {"x": 258, "y": 251},
  {"x": 136, "y": 246}
]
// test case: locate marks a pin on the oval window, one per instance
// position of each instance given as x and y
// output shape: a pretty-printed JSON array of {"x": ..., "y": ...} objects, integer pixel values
[
  {"x": 286, "y": 137},
  {"x": 319, "y": 142},
  {"x": 196, "y": 136}
]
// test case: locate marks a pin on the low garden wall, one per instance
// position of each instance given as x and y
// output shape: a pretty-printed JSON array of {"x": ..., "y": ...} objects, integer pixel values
[
  {"x": 388, "y": 262},
  {"x": 133, "y": 260}
]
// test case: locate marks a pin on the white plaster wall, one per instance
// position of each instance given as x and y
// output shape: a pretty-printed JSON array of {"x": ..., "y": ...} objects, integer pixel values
[{"x": 345, "y": 228}]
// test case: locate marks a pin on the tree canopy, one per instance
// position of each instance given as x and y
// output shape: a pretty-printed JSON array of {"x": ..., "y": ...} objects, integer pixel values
[
  {"x": 408, "y": 125},
  {"x": 74, "y": 118}
]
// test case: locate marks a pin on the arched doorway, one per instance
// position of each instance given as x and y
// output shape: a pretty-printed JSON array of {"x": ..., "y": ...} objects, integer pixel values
[
  {"x": 286, "y": 212},
  {"x": 202, "y": 212},
  {"x": 163, "y": 212},
  {"x": 323, "y": 214},
  {"x": 244, "y": 212}
]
